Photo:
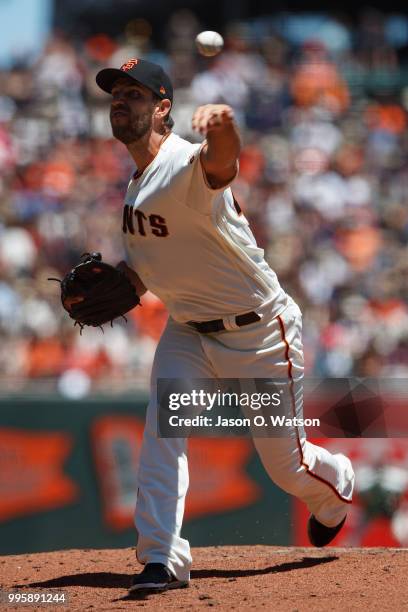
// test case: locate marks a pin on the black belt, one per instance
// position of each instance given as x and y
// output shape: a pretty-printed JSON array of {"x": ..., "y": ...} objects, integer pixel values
[{"x": 208, "y": 327}]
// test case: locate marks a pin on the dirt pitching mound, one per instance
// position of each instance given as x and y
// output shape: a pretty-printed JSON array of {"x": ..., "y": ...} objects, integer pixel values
[{"x": 227, "y": 577}]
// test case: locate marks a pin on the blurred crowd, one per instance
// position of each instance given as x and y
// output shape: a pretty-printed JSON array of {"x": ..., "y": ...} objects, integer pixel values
[{"x": 323, "y": 180}]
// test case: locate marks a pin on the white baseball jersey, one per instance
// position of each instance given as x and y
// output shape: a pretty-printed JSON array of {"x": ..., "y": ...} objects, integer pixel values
[{"x": 190, "y": 244}]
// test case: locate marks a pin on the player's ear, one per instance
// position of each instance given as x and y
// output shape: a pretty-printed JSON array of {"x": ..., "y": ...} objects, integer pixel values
[{"x": 161, "y": 111}]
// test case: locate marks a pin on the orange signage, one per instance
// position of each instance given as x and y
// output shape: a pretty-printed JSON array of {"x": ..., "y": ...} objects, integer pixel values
[
  {"x": 218, "y": 480},
  {"x": 31, "y": 476}
]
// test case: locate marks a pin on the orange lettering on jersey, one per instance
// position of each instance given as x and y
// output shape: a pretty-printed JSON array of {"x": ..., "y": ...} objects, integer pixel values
[
  {"x": 129, "y": 64},
  {"x": 158, "y": 225},
  {"x": 128, "y": 219}
]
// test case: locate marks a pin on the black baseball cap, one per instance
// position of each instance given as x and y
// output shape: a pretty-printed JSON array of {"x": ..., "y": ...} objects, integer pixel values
[{"x": 146, "y": 73}]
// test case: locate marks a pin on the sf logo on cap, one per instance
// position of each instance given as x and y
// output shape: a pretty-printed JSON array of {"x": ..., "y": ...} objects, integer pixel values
[{"x": 129, "y": 64}]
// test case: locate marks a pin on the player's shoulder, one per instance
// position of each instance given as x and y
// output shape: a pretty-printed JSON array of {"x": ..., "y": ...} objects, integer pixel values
[
  {"x": 175, "y": 143},
  {"x": 180, "y": 151}
]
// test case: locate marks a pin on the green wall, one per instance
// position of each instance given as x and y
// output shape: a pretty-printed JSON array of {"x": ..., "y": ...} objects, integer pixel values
[{"x": 67, "y": 474}]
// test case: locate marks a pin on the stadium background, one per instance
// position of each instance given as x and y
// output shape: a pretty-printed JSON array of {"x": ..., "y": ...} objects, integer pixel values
[{"x": 321, "y": 98}]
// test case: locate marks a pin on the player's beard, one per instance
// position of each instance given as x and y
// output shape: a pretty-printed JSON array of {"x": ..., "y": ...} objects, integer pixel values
[{"x": 133, "y": 129}]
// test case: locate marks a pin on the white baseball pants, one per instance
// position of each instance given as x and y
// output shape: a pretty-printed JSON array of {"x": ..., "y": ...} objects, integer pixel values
[{"x": 270, "y": 348}]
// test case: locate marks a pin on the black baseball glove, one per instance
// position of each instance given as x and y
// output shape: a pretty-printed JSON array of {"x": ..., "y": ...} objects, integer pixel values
[{"x": 94, "y": 292}]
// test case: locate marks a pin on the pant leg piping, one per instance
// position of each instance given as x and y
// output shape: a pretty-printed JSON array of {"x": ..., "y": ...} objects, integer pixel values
[{"x": 291, "y": 383}]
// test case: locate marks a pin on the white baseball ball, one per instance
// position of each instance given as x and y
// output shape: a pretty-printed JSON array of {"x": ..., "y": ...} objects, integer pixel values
[{"x": 209, "y": 43}]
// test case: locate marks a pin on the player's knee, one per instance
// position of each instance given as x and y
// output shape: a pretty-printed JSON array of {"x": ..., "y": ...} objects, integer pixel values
[
  {"x": 291, "y": 482},
  {"x": 287, "y": 473}
]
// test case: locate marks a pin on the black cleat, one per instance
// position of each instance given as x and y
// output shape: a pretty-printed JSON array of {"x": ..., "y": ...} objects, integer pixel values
[
  {"x": 156, "y": 577},
  {"x": 320, "y": 535}
]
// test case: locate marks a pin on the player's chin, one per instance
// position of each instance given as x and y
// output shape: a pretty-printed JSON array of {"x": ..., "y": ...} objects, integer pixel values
[{"x": 122, "y": 132}]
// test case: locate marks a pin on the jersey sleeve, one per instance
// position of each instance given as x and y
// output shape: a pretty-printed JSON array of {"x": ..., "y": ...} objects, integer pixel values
[{"x": 190, "y": 184}]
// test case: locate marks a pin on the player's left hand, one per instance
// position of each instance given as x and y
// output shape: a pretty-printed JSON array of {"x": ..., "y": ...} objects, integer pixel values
[
  {"x": 94, "y": 292},
  {"x": 212, "y": 117}
]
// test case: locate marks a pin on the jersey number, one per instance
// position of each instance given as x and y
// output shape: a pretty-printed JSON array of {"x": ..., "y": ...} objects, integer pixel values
[{"x": 136, "y": 221}]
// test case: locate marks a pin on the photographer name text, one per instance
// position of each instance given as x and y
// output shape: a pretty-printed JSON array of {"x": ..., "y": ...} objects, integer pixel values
[{"x": 257, "y": 420}]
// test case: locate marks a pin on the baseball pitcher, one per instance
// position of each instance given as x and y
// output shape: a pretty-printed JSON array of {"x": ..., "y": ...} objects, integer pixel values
[{"x": 188, "y": 242}]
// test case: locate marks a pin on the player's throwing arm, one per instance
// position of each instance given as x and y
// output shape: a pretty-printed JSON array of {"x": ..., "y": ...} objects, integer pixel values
[{"x": 220, "y": 152}]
